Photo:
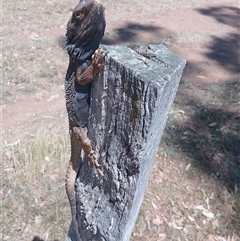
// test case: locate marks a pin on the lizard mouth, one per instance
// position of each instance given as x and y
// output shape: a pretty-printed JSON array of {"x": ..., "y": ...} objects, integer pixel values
[
  {"x": 69, "y": 38},
  {"x": 70, "y": 33},
  {"x": 69, "y": 45}
]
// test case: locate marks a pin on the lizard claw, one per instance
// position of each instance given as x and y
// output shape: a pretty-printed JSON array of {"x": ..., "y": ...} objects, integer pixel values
[
  {"x": 87, "y": 148},
  {"x": 92, "y": 157},
  {"x": 98, "y": 58},
  {"x": 93, "y": 160}
]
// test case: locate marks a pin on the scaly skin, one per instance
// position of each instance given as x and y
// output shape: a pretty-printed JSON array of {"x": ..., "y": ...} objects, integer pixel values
[{"x": 85, "y": 30}]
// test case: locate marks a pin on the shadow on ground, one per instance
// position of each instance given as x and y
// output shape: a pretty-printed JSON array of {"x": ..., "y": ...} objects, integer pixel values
[
  {"x": 223, "y": 14},
  {"x": 225, "y": 50},
  {"x": 130, "y": 33},
  {"x": 127, "y": 34},
  {"x": 211, "y": 135}
]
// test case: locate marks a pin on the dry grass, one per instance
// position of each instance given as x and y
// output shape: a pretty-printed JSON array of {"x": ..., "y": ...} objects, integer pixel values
[
  {"x": 34, "y": 199},
  {"x": 193, "y": 193},
  {"x": 29, "y": 44},
  {"x": 182, "y": 203},
  {"x": 193, "y": 190},
  {"x": 184, "y": 199}
]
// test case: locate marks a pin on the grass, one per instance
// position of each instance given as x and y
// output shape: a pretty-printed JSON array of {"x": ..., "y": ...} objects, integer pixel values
[
  {"x": 193, "y": 191},
  {"x": 188, "y": 197},
  {"x": 204, "y": 204},
  {"x": 34, "y": 71},
  {"x": 210, "y": 133},
  {"x": 34, "y": 198},
  {"x": 184, "y": 213}
]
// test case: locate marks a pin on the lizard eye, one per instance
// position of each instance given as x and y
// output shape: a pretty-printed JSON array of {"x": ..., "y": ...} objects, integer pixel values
[{"x": 78, "y": 15}]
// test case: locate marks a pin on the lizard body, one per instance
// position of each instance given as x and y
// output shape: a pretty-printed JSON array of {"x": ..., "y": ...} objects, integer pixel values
[{"x": 85, "y": 30}]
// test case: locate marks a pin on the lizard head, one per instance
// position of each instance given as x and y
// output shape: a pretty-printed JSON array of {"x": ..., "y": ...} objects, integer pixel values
[{"x": 86, "y": 26}]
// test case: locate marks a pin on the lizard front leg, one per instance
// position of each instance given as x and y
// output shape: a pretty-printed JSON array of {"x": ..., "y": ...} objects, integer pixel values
[
  {"x": 87, "y": 148},
  {"x": 85, "y": 77}
]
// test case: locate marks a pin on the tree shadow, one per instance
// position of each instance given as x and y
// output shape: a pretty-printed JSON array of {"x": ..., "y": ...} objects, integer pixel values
[
  {"x": 203, "y": 142},
  {"x": 211, "y": 135},
  {"x": 225, "y": 50},
  {"x": 130, "y": 33},
  {"x": 223, "y": 14},
  {"x": 127, "y": 34}
]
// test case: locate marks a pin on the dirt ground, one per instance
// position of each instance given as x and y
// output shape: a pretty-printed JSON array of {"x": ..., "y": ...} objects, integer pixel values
[
  {"x": 34, "y": 64},
  {"x": 206, "y": 35}
]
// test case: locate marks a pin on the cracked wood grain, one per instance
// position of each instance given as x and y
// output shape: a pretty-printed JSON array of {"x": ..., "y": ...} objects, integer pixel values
[{"x": 130, "y": 102}]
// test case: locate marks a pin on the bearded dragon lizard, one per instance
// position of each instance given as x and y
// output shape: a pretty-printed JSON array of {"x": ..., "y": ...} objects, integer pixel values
[{"x": 85, "y": 30}]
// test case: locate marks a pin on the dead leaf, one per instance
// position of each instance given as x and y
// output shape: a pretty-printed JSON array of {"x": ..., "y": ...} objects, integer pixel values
[
  {"x": 156, "y": 222},
  {"x": 191, "y": 219},
  {"x": 23, "y": 225},
  {"x": 212, "y": 124},
  {"x": 54, "y": 96},
  {"x": 154, "y": 205},
  {"x": 218, "y": 158},
  {"x": 231, "y": 238},
  {"x": 211, "y": 238},
  {"x": 162, "y": 236},
  {"x": 215, "y": 223},
  {"x": 47, "y": 159},
  {"x": 157, "y": 197},
  {"x": 172, "y": 224},
  {"x": 160, "y": 177},
  {"x": 185, "y": 205},
  {"x": 185, "y": 230},
  {"x": 46, "y": 235},
  {"x": 216, "y": 238},
  {"x": 176, "y": 211},
  {"x": 205, "y": 211},
  {"x": 208, "y": 214},
  {"x": 188, "y": 166},
  {"x": 38, "y": 220},
  {"x": 199, "y": 207},
  {"x": 148, "y": 225},
  {"x": 181, "y": 112},
  {"x": 27, "y": 228},
  {"x": 43, "y": 167}
]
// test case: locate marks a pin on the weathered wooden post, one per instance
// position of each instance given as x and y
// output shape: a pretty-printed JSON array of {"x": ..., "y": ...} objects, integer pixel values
[{"x": 130, "y": 102}]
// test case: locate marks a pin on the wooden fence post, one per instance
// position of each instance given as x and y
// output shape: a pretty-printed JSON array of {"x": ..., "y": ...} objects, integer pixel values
[{"x": 130, "y": 102}]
